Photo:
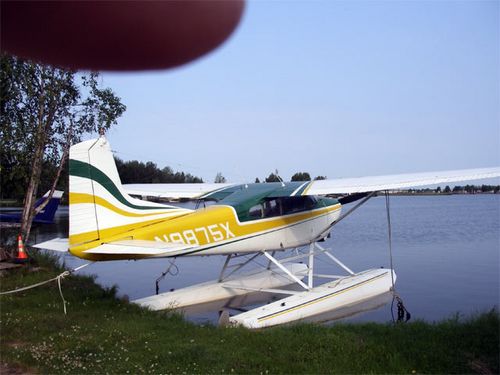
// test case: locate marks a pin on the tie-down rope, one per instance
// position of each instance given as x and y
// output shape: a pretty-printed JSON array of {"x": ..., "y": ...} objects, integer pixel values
[
  {"x": 403, "y": 313},
  {"x": 58, "y": 278}
]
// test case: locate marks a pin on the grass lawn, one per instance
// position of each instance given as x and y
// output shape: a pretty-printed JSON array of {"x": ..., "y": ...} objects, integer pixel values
[{"x": 103, "y": 334}]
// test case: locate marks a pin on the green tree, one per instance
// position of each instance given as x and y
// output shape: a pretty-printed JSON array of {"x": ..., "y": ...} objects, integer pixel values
[
  {"x": 257, "y": 181},
  {"x": 273, "y": 178},
  {"x": 43, "y": 110},
  {"x": 301, "y": 176},
  {"x": 447, "y": 189},
  {"x": 487, "y": 188},
  {"x": 470, "y": 189},
  {"x": 320, "y": 178},
  {"x": 219, "y": 178},
  {"x": 133, "y": 171}
]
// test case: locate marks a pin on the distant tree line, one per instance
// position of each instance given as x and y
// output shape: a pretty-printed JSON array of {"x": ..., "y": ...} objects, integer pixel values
[
  {"x": 133, "y": 171},
  {"x": 130, "y": 172},
  {"x": 299, "y": 176},
  {"x": 476, "y": 189},
  {"x": 467, "y": 189}
]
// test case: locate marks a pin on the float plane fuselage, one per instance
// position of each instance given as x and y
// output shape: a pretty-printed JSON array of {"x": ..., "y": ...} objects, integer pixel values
[
  {"x": 255, "y": 216},
  {"x": 107, "y": 223}
]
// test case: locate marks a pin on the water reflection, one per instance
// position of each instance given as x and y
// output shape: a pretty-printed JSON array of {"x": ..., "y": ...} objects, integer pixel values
[
  {"x": 210, "y": 312},
  {"x": 353, "y": 310}
]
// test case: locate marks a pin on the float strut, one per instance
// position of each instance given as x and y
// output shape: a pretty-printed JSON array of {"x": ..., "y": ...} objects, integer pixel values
[
  {"x": 285, "y": 270},
  {"x": 221, "y": 276},
  {"x": 269, "y": 263},
  {"x": 311, "y": 266},
  {"x": 335, "y": 260}
]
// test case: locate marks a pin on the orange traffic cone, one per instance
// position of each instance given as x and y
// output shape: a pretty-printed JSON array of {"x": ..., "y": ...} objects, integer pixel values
[{"x": 21, "y": 254}]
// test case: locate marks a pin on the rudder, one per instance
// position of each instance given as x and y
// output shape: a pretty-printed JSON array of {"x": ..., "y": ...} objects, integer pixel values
[{"x": 99, "y": 206}]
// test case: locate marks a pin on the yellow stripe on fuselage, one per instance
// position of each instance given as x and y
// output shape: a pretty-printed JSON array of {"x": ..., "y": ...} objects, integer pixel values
[
  {"x": 88, "y": 240},
  {"x": 212, "y": 217},
  {"x": 211, "y": 226}
]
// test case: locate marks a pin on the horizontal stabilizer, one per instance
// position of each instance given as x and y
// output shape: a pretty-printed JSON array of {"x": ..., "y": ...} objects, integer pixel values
[
  {"x": 56, "y": 244},
  {"x": 141, "y": 248}
]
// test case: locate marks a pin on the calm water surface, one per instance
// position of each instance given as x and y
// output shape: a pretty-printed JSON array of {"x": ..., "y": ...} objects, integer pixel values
[{"x": 445, "y": 253}]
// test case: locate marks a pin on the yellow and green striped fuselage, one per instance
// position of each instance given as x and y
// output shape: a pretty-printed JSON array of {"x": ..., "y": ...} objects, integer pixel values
[
  {"x": 218, "y": 230},
  {"x": 106, "y": 223}
]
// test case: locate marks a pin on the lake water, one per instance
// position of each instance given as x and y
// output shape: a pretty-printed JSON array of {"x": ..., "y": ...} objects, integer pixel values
[{"x": 445, "y": 253}]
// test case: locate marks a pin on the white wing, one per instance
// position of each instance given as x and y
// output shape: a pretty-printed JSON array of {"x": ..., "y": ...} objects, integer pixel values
[
  {"x": 321, "y": 187},
  {"x": 392, "y": 182},
  {"x": 175, "y": 191}
]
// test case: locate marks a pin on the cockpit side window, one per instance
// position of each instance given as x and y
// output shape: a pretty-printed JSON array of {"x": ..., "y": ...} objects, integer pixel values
[
  {"x": 291, "y": 205},
  {"x": 281, "y": 206},
  {"x": 310, "y": 202},
  {"x": 256, "y": 212},
  {"x": 298, "y": 204},
  {"x": 272, "y": 208}
]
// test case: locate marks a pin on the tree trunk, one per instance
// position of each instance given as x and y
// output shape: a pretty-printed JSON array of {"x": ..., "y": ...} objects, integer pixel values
[
  {"x": 36, "y": 169},
  {"x": 44, "y": 125},
  {"x": 58, "y": 175}
]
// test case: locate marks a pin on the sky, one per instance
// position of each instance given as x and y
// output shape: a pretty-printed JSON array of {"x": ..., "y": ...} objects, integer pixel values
[{"x": 339, "y": 89}]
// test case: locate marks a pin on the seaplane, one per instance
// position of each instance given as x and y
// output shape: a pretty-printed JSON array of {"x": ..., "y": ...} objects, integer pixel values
[
  {"x": 280, "y": 223},
  {"x": 46, "y": 214}
]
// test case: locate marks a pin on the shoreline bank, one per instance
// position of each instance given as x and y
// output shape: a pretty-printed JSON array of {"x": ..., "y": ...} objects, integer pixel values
[{"x": 102, "y": 333}]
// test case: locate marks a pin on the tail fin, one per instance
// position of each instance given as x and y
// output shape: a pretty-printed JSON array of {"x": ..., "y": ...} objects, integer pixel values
[
  {"x": 49, "y": 211},
  {"x": 46, "y": 216},
  {"x": 99, "y": 208}
]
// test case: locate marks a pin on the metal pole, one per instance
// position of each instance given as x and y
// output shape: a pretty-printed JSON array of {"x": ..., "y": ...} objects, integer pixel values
[
  {"x": 221, "y": 276},
  {"x": 311, "y": 266},
  {"x": 353, "y": 208},
  {"x": 269, "y": 263},
  {"x": 336, "y": 260},
  {"x": 285, "y": 270},
  {"x": 389, "y": 230}
]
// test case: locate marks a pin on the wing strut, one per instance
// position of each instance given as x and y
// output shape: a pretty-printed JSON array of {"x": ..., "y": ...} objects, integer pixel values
[{"x": 353, "y": 208}]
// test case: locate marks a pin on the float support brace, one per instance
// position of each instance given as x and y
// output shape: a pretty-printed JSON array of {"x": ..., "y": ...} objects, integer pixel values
[
  {"x": 285, "y": 270},
  {"x": 221, "y": 276},
  {"x": 336, "y": 260},
  {"x": 311, "y": 266}
]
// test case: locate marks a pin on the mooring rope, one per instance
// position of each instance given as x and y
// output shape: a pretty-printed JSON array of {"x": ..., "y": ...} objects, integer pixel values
[
  {"x": 58, "y": 279},
  {"x": 403, "y": 313},
  {"x": 66, "y": 273},
  {"x": 171, "y": 270}
]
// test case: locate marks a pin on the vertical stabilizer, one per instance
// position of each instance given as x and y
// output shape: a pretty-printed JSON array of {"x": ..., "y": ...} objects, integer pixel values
[
  {"x": 99, "y": 207},
  {"x": 49, "y": 211}
]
